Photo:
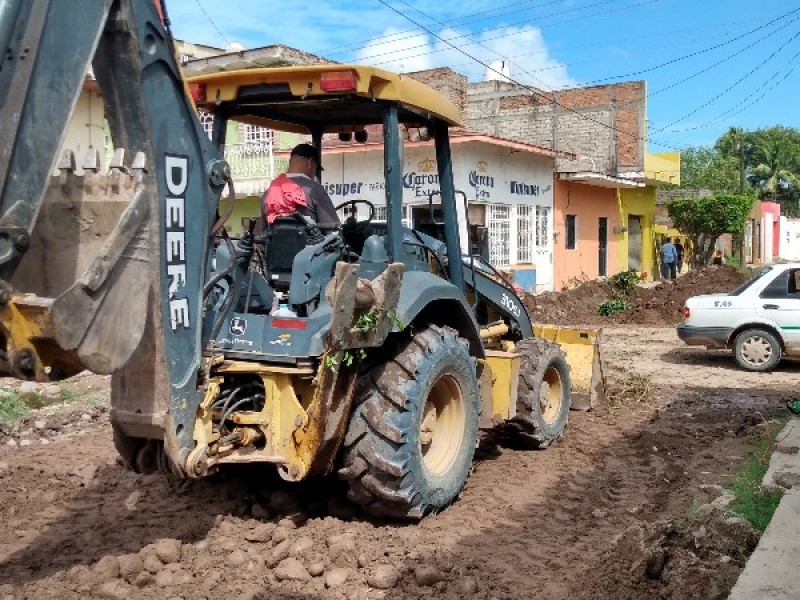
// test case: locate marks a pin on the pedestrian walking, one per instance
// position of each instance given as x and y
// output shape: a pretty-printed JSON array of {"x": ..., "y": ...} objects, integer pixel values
[
  {"x": 679, "y": 255},
  {"x": 668, "y": 256}
]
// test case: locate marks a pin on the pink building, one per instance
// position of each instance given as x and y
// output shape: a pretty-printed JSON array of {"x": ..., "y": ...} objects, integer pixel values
[{"x": 770, "y": 231}]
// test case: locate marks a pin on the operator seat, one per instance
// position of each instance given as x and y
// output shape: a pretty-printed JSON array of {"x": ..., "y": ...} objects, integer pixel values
[{"x": 287, "y": 236}]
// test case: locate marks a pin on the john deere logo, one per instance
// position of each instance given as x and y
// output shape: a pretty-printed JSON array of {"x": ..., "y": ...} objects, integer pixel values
[
  {"x": 238, "y": 326},
  {"x": 426, "y": 165},
  {"x": 483, "y": 166}
]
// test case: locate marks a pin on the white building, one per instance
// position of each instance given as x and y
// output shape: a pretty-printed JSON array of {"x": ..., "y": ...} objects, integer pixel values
[
  {"x": 790, "y": 239},
  {"x": 508, "y": 188}
]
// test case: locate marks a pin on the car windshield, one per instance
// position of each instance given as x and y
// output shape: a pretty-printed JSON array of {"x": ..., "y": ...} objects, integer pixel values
[{"x": 750, "y": 281}]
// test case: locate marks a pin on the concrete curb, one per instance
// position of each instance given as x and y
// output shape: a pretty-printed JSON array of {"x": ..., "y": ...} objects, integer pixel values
[{"x": 771, "y": 571}]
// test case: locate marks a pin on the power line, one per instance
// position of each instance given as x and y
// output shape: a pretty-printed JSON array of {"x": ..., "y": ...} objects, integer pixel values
[
  {"x": 465, "y": 20},
  {"x": 534, "y": 91},
  {"x": 730, "y": 87},
  {"x": 227, "y": 43},
  {"x": 504, "y": 32},
  {"x": 744, "y": 104},
  {"x": 703, "y": 51},
  {"x": 480, "y": 44}
]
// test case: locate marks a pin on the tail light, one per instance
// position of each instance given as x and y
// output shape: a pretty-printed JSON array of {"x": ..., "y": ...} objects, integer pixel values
[
  {"x": 198, "y": 91},
  {"x": 289, "y": 324},
  {"x": 338, "y": 81},
  {"x": 686, "y": 312}
]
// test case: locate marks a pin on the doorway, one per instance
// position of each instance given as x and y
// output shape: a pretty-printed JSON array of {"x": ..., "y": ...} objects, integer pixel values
[
  {"x": 635, "y": 242},
  {"x": 602, "y": 253}
]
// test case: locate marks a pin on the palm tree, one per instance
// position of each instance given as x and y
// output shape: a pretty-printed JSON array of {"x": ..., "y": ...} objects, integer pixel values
[{"x": 776, "y": 152}]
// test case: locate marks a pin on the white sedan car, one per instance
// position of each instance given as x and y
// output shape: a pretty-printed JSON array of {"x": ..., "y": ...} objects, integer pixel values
[{"x": 759, "y": 320}]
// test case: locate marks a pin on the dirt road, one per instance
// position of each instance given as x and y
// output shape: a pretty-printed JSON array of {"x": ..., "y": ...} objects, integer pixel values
[{"x": 601, "y": 514}]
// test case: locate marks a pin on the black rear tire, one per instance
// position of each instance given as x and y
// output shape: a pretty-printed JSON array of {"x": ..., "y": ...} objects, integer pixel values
[
  {"x": 412, "y": 435},
  {"x": 543, "y": 397},
  {"x": 757, "y": 350}
]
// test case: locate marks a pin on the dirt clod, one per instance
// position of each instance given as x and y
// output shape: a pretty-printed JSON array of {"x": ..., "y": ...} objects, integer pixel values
[
  {"x": 428, "y": 576},
  {"x": 336, "y": 577},
  {"x": 291, "y": 569},
  {"x": 384, "y": 577},
  {"x": 168, "y": 550}
]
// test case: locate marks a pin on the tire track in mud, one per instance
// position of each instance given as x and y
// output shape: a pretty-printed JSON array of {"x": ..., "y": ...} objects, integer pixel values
[{"x": 530, "y": 524}]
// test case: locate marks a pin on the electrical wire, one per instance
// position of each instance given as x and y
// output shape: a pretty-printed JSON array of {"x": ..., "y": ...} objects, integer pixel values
[
  {"x": 744, "y": 104},
  {"x": 533, "y": 90},
  {"x": 503, "y": 35},
  {"x": 465, "y": 20},
  {"x": 730, "y": 87},
  {"x": 213, "y": 24}
]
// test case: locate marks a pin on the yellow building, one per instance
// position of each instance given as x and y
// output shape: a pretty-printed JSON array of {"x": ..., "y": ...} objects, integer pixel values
[{"x": 636, "y": 247}]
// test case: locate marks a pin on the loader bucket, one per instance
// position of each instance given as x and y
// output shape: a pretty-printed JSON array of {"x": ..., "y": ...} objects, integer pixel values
[{"x": 583, "y": 348}]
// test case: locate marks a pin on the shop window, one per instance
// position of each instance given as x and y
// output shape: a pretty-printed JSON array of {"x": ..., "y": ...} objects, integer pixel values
[
  {"x": 526, "y": 229},
  {"x": 499, "y": 234},
  {"x": 572, "y": 232},
  {"x": 542, "y": 227}
]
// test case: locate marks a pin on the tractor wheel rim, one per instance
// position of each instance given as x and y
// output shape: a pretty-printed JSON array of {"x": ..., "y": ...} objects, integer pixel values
[
  {"x": 442, "y": 426},
  {"x": 756, "y": 350},
  {"x": 551, "y": 395}
]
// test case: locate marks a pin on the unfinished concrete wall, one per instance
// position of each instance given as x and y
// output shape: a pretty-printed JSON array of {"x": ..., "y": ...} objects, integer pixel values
[{"x": 603, "y": 126}]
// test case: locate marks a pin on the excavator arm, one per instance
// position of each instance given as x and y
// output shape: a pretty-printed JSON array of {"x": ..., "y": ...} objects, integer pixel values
[{"x": 135, "y": 305}]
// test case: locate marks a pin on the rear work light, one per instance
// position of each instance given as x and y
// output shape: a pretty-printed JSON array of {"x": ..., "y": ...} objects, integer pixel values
[
  {"x": 198, "y": 91},
  {"x": 686, "y": 312},
  {"x": 289, "y": 324},
  {"x": 338, "y": 81}
]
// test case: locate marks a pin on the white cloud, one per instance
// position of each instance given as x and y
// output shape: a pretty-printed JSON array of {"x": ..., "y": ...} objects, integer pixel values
[
  {"x": 523, "y": 48},
  {"x": 339, "y": 31},
  {"x": 398, "y": 51}
]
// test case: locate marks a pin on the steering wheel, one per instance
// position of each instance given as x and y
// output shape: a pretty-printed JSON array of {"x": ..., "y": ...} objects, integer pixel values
[{"x": 351, "y": 224}]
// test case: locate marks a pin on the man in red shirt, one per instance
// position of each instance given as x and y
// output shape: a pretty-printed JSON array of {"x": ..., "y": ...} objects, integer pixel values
[{"x": 298, "y": 191}]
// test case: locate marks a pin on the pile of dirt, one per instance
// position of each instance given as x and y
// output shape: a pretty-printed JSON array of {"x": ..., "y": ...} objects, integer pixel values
[
  {"x": 695, "y": 557},
  {"x": 660, "y": 305}
]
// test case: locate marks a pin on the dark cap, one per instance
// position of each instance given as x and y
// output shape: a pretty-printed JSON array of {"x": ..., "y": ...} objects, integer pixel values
[{"x": 307, "y": 151}]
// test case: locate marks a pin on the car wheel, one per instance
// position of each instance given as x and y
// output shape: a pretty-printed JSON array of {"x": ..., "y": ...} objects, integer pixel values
[{"x": 757, "y": 350}]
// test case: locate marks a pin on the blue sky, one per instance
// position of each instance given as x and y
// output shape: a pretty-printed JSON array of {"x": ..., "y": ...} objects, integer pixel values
[{"x": 709, "y": 64}]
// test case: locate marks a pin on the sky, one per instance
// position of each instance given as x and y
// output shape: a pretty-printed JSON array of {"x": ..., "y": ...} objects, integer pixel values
[{"x": 709, "y": 64}]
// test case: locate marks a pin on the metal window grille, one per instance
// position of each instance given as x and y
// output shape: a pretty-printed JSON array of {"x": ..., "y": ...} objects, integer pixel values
[
  {"x": 525, "y": 232},
  {"x": 499, "y": 234},
  {"x": 542, "y": 226},
  {"x": 253, "y": 134},
  {"x": 207, "y": 121},
  {"x": 572, "y": 238},
  {"x": 382, "y": 214}
]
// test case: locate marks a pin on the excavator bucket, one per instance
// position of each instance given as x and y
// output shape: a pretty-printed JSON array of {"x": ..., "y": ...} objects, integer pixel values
[{"x": 583, "y": 348}]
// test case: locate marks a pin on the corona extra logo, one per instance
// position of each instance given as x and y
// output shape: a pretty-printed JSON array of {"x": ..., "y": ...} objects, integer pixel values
[
  {"x": 483, "y": 166},
  {"x": 426, "y": 165}
]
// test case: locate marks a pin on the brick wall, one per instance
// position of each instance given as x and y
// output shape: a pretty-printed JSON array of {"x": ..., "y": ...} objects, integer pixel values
[
  {"x": 447, "y": 82},
  {"x": 602, "y": 125}
]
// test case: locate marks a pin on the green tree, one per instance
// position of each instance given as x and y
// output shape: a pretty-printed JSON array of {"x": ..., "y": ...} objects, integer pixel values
[
  {"x": 736, "y": 143},
  {"x": 705, "y": 219},
  {"x": 707, "y": 168}
]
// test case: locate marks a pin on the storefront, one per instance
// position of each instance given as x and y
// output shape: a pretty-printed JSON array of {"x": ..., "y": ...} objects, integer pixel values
[{"x": 506, "y": 200}]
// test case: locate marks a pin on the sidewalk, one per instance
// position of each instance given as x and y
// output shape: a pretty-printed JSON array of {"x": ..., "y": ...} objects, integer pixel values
[{"x": 773, "y": 570}]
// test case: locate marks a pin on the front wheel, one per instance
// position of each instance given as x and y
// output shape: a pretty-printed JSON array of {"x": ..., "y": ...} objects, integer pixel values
[
  {"x": 543, "y": 396},
  {"x": 757, "y": 350},
  {"x": 412, "y": 434}
]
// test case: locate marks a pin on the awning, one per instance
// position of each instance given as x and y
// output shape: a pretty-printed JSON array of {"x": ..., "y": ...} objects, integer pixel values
[{"x": 599, "y": 179}]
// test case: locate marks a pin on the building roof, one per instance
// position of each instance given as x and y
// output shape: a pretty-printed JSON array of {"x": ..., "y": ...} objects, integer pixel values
[{"x": 600, "y": 179}]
